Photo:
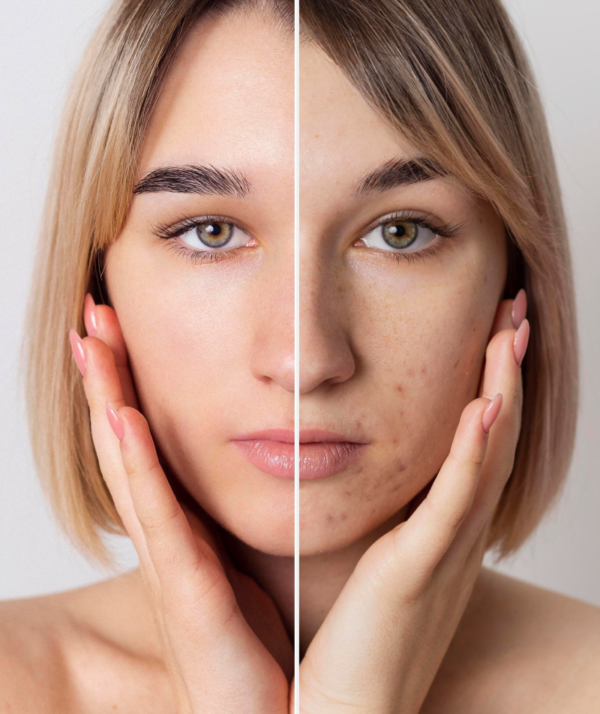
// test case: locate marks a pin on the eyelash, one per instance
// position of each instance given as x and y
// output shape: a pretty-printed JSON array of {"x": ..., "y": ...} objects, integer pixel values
[
  {"x": 446, "y": 231},
  {"x": 170, "y": 232}
]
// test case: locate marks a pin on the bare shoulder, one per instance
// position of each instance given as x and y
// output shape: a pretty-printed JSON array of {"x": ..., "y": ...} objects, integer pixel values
[
  {"x": 93, "y": 649},
  {"x": 33, "y": 671},
  {"x": 521, "y": 648}
]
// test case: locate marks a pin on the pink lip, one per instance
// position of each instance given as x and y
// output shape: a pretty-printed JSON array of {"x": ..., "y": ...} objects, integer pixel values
[{"x": 322, "y": 453}]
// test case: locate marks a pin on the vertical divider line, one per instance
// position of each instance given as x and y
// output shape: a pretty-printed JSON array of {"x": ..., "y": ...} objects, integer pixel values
[{"x": 296, "y": 355}]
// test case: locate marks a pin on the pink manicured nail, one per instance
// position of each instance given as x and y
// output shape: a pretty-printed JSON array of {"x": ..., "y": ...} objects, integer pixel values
[
  {"x": 519, "y": 308},
  {"x": 521, "y": 340},
  {"x": 115, "y": 422},
  {"x": 491, "y": 413},
  {"x": 78, "y": 352},
  {"x": 89, "y": 315}
]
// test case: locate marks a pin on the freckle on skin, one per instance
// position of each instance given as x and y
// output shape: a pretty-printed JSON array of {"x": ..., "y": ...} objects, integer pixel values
[{"x": 399, "y": 388}]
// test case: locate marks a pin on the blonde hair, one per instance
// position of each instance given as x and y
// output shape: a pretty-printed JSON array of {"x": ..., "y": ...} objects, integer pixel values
[
  {"x": 452, "y": 77},
  {"x": 89, "y": 194}
]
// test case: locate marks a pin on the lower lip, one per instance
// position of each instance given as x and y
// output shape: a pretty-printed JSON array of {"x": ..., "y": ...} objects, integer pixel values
[{"x": 317, "y": 460}]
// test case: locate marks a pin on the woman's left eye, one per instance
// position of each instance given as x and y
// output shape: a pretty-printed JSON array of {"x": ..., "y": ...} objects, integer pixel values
[
  {"x": 399, "y": 235},
  {"x": 212, "y": 235}
]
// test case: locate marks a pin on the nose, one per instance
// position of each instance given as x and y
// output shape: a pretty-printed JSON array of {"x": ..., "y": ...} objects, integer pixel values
[
  {"x": 272, "y": 358},
  {"x": 326, "y": 356}
]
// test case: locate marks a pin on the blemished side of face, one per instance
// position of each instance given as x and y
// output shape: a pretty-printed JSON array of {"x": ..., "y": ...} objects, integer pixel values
[
  {"x": 211, "y": 337},
  {"x": 391, "y": 344}
]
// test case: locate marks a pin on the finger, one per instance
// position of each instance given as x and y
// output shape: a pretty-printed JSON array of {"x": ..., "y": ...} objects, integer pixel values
[
  {"x": 101, "y": 321},
  {"x": 185, "y": 565},
  {"x": 101, "y": 384},
  {"x": 502, "y": 374},
  {"x": 432, "y": 528}
]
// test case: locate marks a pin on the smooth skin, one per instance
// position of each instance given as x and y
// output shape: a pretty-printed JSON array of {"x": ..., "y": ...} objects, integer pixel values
[
  {"x": 383, "y": 603},
  {"x": 200, "y": 623}
]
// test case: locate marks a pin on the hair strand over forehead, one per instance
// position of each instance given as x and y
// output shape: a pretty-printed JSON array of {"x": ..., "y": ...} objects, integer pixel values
[{"x": 451, "y": 77}]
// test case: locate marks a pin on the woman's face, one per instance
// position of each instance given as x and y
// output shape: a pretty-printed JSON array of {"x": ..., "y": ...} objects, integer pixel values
[
  {"x": 394, "y": 321},
  {"x": 207, "y": 310}
]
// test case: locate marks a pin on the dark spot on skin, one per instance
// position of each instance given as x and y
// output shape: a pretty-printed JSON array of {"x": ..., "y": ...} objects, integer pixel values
[
  {"x": 423, "y": 369},
  {"x": 396, "y": 486},
  {"x": 343, "y": 516},
  {"x": 395, "y": 441},
  {"x": 399, "y": 388},
  {"x": 456, "y": 363},
  {"x": 330, "y": 519},
  {"x": 348, "y": 493},
  {"x": 359, "y": 470}
]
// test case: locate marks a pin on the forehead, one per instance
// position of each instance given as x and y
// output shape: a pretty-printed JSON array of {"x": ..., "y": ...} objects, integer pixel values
[
  {"x": 228, "y": 98},
  {"x": 339, "y": 130}
]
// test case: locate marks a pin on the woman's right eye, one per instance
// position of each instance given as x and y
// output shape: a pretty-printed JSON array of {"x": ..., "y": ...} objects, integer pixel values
[{"x": 213, "y": 235}]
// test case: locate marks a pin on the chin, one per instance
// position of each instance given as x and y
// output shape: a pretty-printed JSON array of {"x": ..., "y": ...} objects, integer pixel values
[{"x": 258, "y": 509}]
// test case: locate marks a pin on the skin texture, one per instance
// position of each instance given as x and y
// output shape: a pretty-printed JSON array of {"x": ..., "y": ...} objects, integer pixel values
[
  {"x": 211, "y": 344},
  {"x": 380, "y": 604},
  {"x": 376, "y": 334}
]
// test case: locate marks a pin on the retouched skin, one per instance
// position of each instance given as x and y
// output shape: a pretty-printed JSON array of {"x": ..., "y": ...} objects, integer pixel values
[{"x": 211, "y": 344}]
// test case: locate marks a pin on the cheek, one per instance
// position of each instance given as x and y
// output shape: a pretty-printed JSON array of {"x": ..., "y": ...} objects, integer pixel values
[
  {"x": 185, "y": 335},
  {"x": 422, "y": 348}
]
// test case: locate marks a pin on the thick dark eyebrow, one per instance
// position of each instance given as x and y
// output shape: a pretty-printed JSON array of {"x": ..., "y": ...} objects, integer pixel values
[
  {"x": 204, "y": 180},
  {"x": 399, "y": 172}
]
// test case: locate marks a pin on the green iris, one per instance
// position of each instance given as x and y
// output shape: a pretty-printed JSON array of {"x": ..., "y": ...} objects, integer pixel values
[
  {"x": 400, "y": 234},
  {"x": 214, "y": 235}
]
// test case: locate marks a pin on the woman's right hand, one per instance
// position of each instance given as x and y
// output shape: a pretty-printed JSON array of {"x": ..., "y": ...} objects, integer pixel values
[
  {"x": 216, "y": 661},
  {"x": 381, "y": 645}
]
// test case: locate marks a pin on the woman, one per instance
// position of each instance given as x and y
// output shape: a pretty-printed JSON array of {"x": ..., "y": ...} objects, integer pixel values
[
  {"x": 190, "y": 633},
  {"x": 434, "y": 249},
  {"x": 171, "y": 207}
]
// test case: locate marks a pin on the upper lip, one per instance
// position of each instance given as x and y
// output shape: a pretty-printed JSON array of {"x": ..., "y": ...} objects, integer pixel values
[{"x": 307, "y": 436}]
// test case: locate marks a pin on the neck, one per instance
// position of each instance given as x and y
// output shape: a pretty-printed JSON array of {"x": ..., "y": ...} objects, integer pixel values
[
  {"x": 274, "y": 574},
  {"x": 323, "y": 576}
]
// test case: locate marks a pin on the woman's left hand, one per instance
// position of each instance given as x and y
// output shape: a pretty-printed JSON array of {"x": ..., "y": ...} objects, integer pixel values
[{"x": 381, "y": 645}]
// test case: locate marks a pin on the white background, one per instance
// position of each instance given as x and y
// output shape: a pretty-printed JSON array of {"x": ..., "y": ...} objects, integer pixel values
[{"x": 40, "y": 43}]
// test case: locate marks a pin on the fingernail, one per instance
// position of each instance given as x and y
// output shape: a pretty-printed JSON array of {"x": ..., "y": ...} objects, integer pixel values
[
  {"x": 491, "y": 413},
  {"x": 89, "y": 315},
  {"x": 78, "y": 352},
  {"x": 519, "y": 308},
  {"x": 115, "y": 423},
  {"x": 521, "y": 340}
]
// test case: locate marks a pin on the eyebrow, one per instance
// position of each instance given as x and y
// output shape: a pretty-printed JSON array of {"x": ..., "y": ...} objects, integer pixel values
[
  {"x": 399, "y": 172},
  {"x": 203, "y": 180}
]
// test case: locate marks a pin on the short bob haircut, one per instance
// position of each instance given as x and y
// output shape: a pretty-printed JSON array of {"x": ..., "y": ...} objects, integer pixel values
[
  {"x": 452, "y": 78},
  {"x": 449, "y": 75},
  {"x": 90, "y": 191}
]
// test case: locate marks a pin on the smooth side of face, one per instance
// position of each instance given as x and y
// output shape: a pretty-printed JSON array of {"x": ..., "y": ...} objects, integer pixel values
[
  {"x": 209, "y": 325},
  {"x": 392, "y": 335}
]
